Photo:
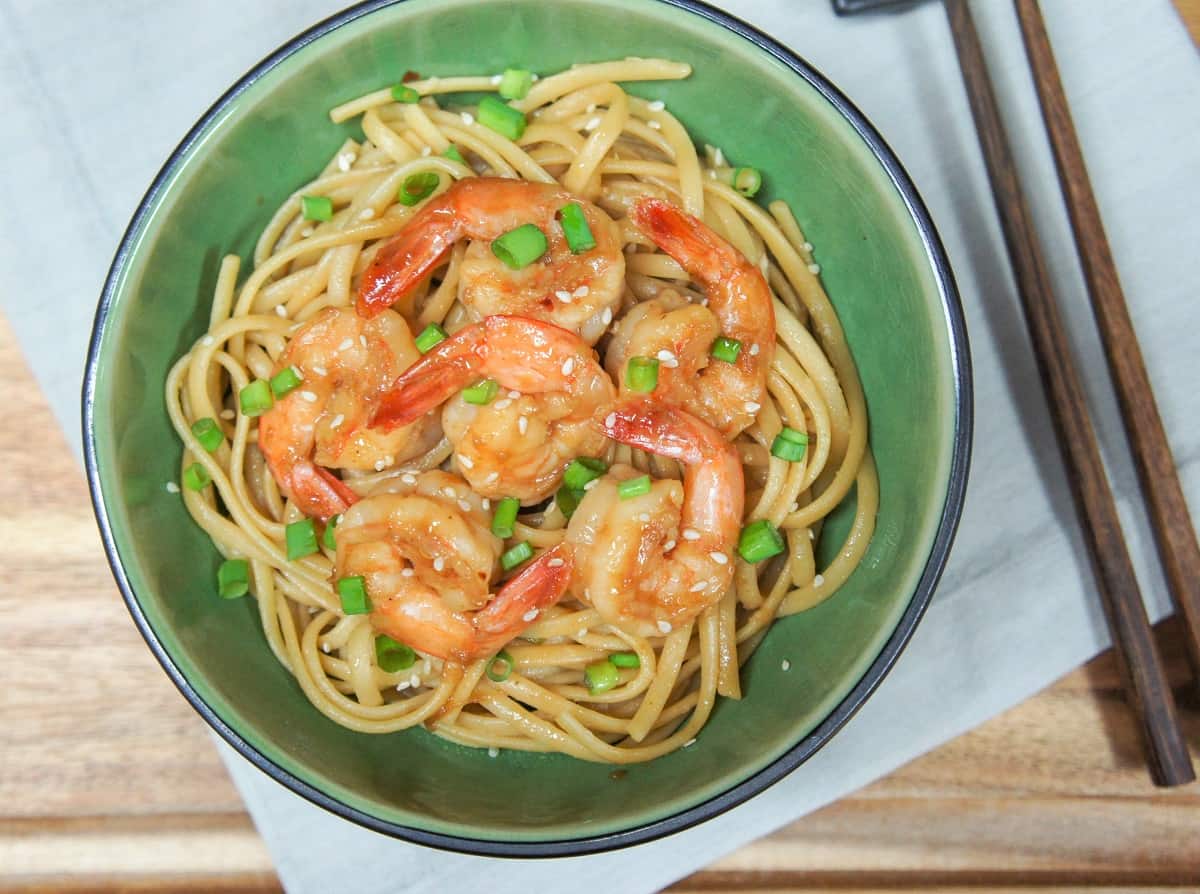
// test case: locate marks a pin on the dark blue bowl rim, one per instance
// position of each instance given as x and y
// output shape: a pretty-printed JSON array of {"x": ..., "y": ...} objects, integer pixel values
[{"x": 790, "y": 760}]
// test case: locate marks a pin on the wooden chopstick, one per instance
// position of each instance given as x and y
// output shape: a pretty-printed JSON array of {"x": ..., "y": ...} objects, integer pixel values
[
  {"x": 1169, "y": 518},
  {"x": 1137, "y": 658}
]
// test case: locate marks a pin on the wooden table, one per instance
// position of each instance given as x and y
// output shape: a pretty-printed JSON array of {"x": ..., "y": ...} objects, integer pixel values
[{"x": 109, "y": 782}]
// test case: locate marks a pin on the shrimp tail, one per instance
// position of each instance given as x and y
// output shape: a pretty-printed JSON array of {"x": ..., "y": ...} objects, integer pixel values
[
  {"x": 538, "y": 586},
  {"x": 432, "y": 380},
  {"x": 319, "y": 491},
  {"x": 697, "y": 248},
  {"x": 662, "y": 429},
  {"x": 410, "y": 256}
]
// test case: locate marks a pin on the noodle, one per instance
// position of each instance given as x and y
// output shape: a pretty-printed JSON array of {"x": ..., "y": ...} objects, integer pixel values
[{"x": 586, "y": 133}]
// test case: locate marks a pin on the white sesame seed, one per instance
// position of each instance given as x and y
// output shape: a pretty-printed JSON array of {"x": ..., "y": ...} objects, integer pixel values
[
  {"x": 496, "y": 79},
  {"x": 337, "y": 420},
  {"x": 426, "y": 152},
  {"x": 172, "y": 487},
  {"x": 320, "y": 370},
  {"x": 785, "y": 664},
  {"x": 592, "y": 124},
  {"x": 389, "y": 460},
  {"x": 486, "y": 503},
  {"x": 380, "y": 465},
  {"x": 522, "y": 425},
  {"x": 464, "y": 505},
  {"x": 811, "y": 534},
  {"x": 325, "y": 648},
  {"x": 699, "y": 585},
  {"x": 581, "y": 633},
  {"x": 366, "y": 214},
  {"x": 555, "y": 563},
  {"x": 439, "y": 564},
  {"x": 307, "y": 231},
  {"x": 468, "y": 118},
  {"x": 818, "y": 580},
  {"x": 644, "y": 517},
  {"x": 718, "y": 157},
  {"x": 664, "y": 626},
  {"x": 347, "y": 344},
  {"x": 492, "y": 478},
  {"x": 513, "y": 395},
  {"x": 414, "y": 681},
  {"x": 654, "y": 125},
  {"x": 606, "y": 317},
  {"x": 493, "y": 751},
  {"x": 502, "y": 404},
  {"x": 719, "y": 558},
  {"x": 808, "y": 246},
  {"x": 309, "y": 396},
  {"x": 689, "y": 743},
  {"x": 228, "y": 414},
  {"x": 465, "y": 461},
  {"x": 657, "y": 106},
  {"x": 591, "y": 484},
  {"x": 208, "y": 341},
  {"x": 280, "y": 310},
  {"x": 752, "y": 407},
  {"x": 591, "y": 108},
  {"x": 407, "y": 572},
  {"x": 402, "y": 685},
  {"x": 795, "y": 507},
  {"x": 362, "y": 340},
  {"x": 536, "y": 78},
  {"x": 563, "y": 295},
  {"x": 582, "y": 292},
  {"x": 669, "y": 360},
  {"x": 450, "y": 492},
  {"x": 704, "y": 302},
  {"x": 689, "y": 534},
  {"x": 754, "y": 350},
  {"x": 345, "y": 160},
  {"x": 568, "y": 365},
  {"x": 814, "y": 268},
  {"x": 530, "y": 615},
  {"x": 610, "y": 420},
  {"x": 408, "y": 478},
  {"x": 668, "y": 546}
]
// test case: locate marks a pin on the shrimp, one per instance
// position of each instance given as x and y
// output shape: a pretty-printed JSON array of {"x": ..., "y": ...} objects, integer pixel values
[
  {"x": 519, "y": 445},
  {"x": 579, "y": 292},
  {"x": 679, "y": 334},
  {"x": 649, "y": 563},
  {"x": 425, "y": 550},
  {"x": 345, "y": 364}
]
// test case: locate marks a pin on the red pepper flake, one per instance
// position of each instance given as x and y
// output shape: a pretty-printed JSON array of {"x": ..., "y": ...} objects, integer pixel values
[{"x": 410, "y": 75}]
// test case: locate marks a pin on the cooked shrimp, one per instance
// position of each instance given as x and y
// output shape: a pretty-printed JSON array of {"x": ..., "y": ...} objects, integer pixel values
[
  {"x": 579, "y": 292},
  {"x": 649, "y": 563},
  {"x": 519, "y": 444},
  {"x": 345, "y": 364},
  {"x": 679, "y": 334},
  {"x": 425, "y": 550}
]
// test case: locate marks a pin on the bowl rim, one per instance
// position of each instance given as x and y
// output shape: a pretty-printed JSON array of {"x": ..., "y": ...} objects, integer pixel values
[{"x": 963, "y": 405}]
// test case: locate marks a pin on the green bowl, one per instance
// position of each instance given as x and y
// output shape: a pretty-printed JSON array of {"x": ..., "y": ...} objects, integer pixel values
[{"x": 882, "y": 264}]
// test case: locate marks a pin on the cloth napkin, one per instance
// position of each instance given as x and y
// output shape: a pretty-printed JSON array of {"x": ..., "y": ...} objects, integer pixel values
[{"x": 96, "y": 95}]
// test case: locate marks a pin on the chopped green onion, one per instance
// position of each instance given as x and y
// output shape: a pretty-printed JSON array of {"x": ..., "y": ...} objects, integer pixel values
[
  {"x": 601, "y": 676},
  {"x": 500, "y": 667},
  {"x": 233, "y": 578},
  {"x": 625, "y": 659},
  {"x": 520, "y": 553},
  {"x": 285, "y": 380},
  {"x": 417, "y": 187},
  {"x": 747, "y": 181},
  {"x": 392, "y": 656},
  {"x": 515, "y": 83},
  {"x": 790, "y": 445},
  {"x": 353, "y": 591},
  {"x": 575, "y": 228},
  {"x": 255, "y": 399},
  {"x": 196, "y": 477},
  {"x": 641, "y": 374},
  {"x": 208, "y": 433},
  {"x": 520, "y": 247},
  {"x": 431, "y": 336},
  {"x": 760, "y": 540},
  {"x": 726, "y": 349},
  {"x": 501, "y": 117},
  {"x": 328, "y": 537},
  {"x": 634, "y": 487},
  {"x": 581, "y": 470},
  {"x": 317, "y": 207},
  {"x": 567, "y": 500},
  {"x": 301, "y": 539},
  {"x": 454, "y": 155},
  {"x": 505, "y": 517},
  {"x": 405, "y": 93},
  {"x": 481, "y": 393}
]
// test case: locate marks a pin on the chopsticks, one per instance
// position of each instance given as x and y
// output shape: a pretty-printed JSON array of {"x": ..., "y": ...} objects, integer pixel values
[
  {"x": 1173, "y": 531},
  {"x": 1137, "y": 658}
]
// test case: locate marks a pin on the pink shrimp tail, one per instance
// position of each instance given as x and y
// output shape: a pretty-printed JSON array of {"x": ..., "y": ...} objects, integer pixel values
[
  {"x": 319, "y": 492},
  {"x": 662, "y": 429},
  {"x": 538, "y": 586},
  {"x": 685, "y": 238},
  {"x": 432, "y": 380},
  {"x": 407, "y": 258}
]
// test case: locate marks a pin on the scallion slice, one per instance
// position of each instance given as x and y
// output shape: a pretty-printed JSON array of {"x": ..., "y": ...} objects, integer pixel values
[
  {"x": 581, "y": 470},
  {"x": 726, "y": 349},
  {"x": 520, "y": 247},
  {"x": 233, "y": 578},
  {"x": 405, "y": 93},
  {"x": 747, "y": 181},
  {"x": 431, "y": 336},
  {"x": 208, "y": 433},
  {"x": 575, "y": 228},
  {"x": 454, "y": 155},
  {"x": 501, "y": 117},
  {"x": 482, "y": 392},
  {"x": 196, "y": 477},
  {"x": 505, "y": 517},
  {"x": 634, "y": 487},
  {"x": 317, "y": 207},
  {"x": 625, "y": 659},
  {"x": 790, "y": 445},
  {"x": 255, "y": 399},
  {"x": 417, "y": 187},
  {"x": 285, "y": 380},
  {"x": 392, "y": 656},
  {"x": 353, "y": 591},
  {"x": 515, "y": 83},
  {"x": 329, "y": 538},
  {"x": 500, "y": 668},
  {"x": 641, "y": 374},
  {"x": 518, "y": 555},
  {"x": 301, "y": 537},
  {"x": 601, "y": 676},
  {"x": 760, "y": 540},
  {"x": 567, "y": 500}
]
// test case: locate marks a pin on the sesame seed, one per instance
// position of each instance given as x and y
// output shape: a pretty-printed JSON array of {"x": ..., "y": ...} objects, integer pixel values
[
  {"x": 439, "y": 564},
  {"x": 172, "y": 487},
  {"x": 522, "y": 425},
  {"x": 380, "y": 465},
  {"x": 228, "y": 414},
  {"x": 307, "y": 231},
  {"x": 563, "y": 295},
  {"x": 754, "y": 350},
  {"x": 654, "y": 125},
  {"x": 366, "y": 214},
  {"x": 811, "y": 534},
  {"x": 536, "y": 78},
  {"x": 325, "y": 648},
  {"x": 719, "y": 558},
  {"x": 493, "y": 751},
  {"x": 487, "y": 504},
  {"x": 426, "y": 152},
  {"x": 644, "y": 517},
  {"x": 496, "y": 79},
  {"x": 492, "y": 478},
  {"x": 503, "y": 404},
  {"x": 568, "y": 365},
  {"x": 464, "y": 505},
  {"x": 808, "y": 246},
  {"x": 450, "y": 492},
  {"x": 704, "y": 302},
  {"x": 664, "y": 626},
  {"x": 785, "y": 664},
  {"x": 337, "y": 420},
  {"x": 669, "y": 360},
  {"x": 208, "y": 341},
  {"x": 591, "y": 484},
  {"x": 280, "y": 310},
  {"x": 320, "y": 370},
  {"x": 814, "y": 268},
  {"x": 668, "y": 546},
  {"x": 657, "y": 106},
  {"x": 466, "y": 462},
  {"x": 698, "y": 586},
  {"x": 402, "y": 685},
  {"x": 530, "y": 615},
  {"x": 362, "y": 340},
  {"x": 555, "y": 563},
  {"x": 407, "y": 572},
  {"x": 468, "y": 118},
  {"x": 514, "y": 394},
  {"x": 345, "y": 160},
  {"x": 591, "y": 108},
  {"x": 592, "y": 124},
  {"x": 689, "y": 743},
  {"x": 610, "y": 420},
  {"x": 581, "y": 633},
  {"x": 689, "y": 534},
  {"x": 346, "y": 345},
  {"x": 606, "y": 317},
  {"x": 818, "y": 580},
  {"x": 408, "y": 478},
  {"x": 718, "y": 157},
  {"x": 752, "y": 407},
  {"x": 582, "y": 292},
  {"x": 414, "y": 681},
  {"x": 309, "y": 396}
]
